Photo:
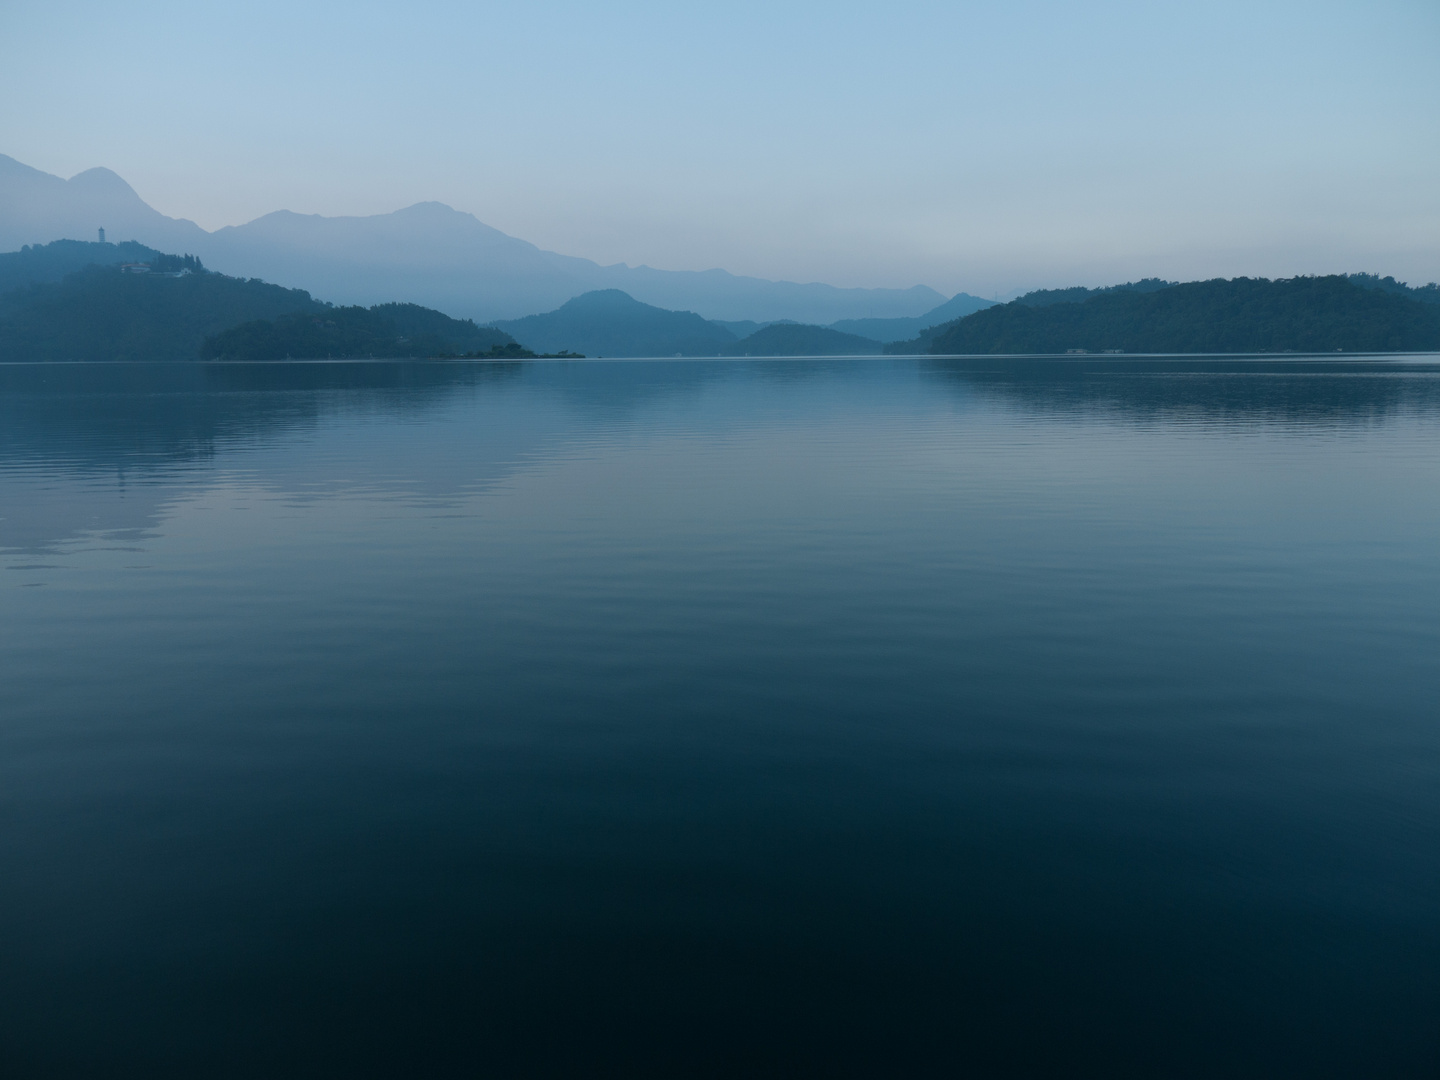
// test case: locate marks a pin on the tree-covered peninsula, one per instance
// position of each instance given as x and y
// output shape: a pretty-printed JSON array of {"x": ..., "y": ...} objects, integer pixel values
[
  {"x": 139, "y": 304},
  {"x": 388, "y": 331},
  {"x": 1243, "y": 315},
  {"x": 106, "y": 313}
]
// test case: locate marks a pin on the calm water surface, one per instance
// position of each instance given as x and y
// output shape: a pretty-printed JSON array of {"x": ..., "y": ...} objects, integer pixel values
[{"x": 869, "y": 718}]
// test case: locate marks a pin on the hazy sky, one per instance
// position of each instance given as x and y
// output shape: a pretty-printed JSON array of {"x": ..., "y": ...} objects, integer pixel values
[{"x": 977, "y": 146}]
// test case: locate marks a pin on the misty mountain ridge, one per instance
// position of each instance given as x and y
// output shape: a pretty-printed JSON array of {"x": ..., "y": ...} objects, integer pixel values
[
  {"x": 608, "y": 322},
  {"x": 612, "y": 323},
  {"x": 75, "y": 300},
  {"x": 36, "y": 207},
  {"x": 428, "y": 253},
  {"x": 888, "y": 330},
  {"x": 798, "y": 339},
  {"x": 105, "y": 310}
]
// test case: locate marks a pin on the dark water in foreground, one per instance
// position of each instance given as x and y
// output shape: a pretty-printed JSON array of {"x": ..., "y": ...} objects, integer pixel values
[{"x": 850, "y": 718}]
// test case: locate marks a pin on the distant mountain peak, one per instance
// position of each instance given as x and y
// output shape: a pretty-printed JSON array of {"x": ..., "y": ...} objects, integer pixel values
[
  {"x": 604, "y": 300},
  {"x": 611, "y": 322},
  {"x": 101, "y": 181},
  {"x": 432, "y": 208}
]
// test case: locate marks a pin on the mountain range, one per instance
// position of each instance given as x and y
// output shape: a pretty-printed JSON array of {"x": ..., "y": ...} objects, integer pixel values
[
  {"x": 427, "y": 254},
  {"x": 87, "y": 300},
  {"x": 888, "y": 330},
  {"x": 609, "y": 322}
]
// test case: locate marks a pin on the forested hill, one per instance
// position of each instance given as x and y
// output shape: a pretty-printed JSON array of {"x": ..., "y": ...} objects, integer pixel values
[
  {"x": 1429, "y": 294},
  {"x": 391, "y": 331},
  {"x": 101, "y": 313},
  {"x": 1304, "y": 314},
  {"x": 175, "y": 308},
  {"x": 38, "y": 263},
  {"x": 1078, "y": 294}
]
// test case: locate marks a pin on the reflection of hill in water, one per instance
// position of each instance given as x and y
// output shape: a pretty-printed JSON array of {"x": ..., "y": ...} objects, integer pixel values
[
  {"x": 116, "y": 415},
  {"x": 98, "y": 450},
  {"x": 111, "y": 415},
  {"x": 1242, "y": 392}
]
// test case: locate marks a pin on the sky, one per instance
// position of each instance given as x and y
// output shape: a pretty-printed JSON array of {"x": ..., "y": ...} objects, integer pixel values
[{"x": 984, "y": 147}]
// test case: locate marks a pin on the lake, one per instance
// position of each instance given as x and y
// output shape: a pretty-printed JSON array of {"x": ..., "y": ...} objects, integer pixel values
[{"x": 883, "y": 717}]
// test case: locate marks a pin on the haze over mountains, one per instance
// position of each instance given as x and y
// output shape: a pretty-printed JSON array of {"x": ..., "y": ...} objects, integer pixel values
[
  {"x": 405, "y": 282},
  {"x": 427, "y": 254},
  {"x": 89, "y": 301},
  {"x": 79, "y": 300},
  {"x": 609, "y": 322},
  {"x": 888, "y": 330}
]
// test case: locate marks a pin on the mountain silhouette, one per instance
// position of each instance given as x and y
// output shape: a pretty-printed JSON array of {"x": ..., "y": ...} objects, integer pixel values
[
  {"x": 36, "y": 208},
  {"x": 428, "y": 254},
  {"x": 888, "y": 330},
  {"x": 72, "y": 300},
  {"x": 1302, "y": 314},
  {"x": 608, "y": 322},
  {"x": 797, "y": 339}
]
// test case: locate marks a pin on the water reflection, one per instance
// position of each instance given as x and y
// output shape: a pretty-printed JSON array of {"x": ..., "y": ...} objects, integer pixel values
[
  {"x": 114, "y": 415},
  {"x": 97, "y": 451},
  {"x": 834, "y": 717},
  {"x": 1238, "y": 391}
]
